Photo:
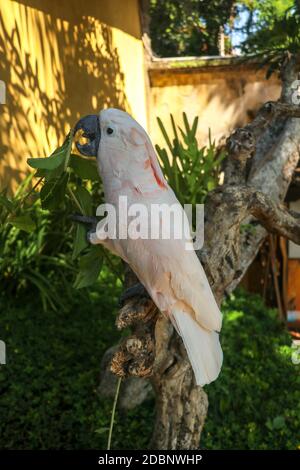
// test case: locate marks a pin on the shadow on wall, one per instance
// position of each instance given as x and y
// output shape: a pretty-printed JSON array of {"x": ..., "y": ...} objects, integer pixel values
[
  {"x": 56, "y": 69},
  {"x": 223, "y": 99}
]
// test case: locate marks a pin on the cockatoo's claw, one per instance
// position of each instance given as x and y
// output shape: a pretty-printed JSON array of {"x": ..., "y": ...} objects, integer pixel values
[
  {"x": 84, "y": 219},
  {"x": 87, "y": 220},
  {"x": 91, "y": 237},
  {"x": 135, "y": 290}
]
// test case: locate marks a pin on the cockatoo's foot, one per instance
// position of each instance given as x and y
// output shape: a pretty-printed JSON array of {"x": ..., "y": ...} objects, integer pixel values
[
  {"x": 84, "y": 219},
  {"x": 92, "y": 238},
  {"x": 133, "y": 291},
  {"x": 136, "y": 311},
  {"x": 88, "y": 220},
  {"x": 136, "y": 354}
]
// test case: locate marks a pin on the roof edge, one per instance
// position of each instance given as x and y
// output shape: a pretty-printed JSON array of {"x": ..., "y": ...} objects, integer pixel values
[{"x": 183, "y": 63}]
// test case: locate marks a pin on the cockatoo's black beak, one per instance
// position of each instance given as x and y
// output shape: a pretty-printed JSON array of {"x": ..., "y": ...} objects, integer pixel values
[{"x": 91, "y": 130}]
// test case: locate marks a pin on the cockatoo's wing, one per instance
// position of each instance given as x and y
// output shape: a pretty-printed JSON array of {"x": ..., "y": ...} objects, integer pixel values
[
  {"x": 189, "y": 282},
  {"x": 177, "y": 284}
]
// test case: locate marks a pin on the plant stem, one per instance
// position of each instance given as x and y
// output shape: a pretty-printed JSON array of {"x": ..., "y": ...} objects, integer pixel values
[
  {"x": 113, "y": 413},
  {"x": 32, "y": 189},
  {"x": 69, "y": 148},
  {"x": 75, "y": 200},
  {"x": 110, "y": 263}
]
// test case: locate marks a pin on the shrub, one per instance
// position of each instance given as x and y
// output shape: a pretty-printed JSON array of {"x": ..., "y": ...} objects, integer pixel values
[
  {"x": 48, "y": 389},
  {"x": 255, "y": 403},
  {"x": 190, "y": 170},
  {"x": 41, "y": 250}
]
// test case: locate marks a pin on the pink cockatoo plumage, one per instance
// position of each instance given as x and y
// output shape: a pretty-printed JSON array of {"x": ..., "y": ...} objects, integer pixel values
[{"x": 172, "y": 275}]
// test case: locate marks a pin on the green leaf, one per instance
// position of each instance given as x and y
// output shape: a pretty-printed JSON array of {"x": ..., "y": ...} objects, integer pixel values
[
  {"x": 59, "y": 157},
  {"x": 23, "y": 222},
  {"x": 224, "y": 404},
  {"x": 53, "y": 192},
  {"x": 278, "y": 422},
  {"x": 4, "y": 201},
  {"x": 49, "y": 163},
  {"x": 211, "y": 184},
  {"x": 41, "y": 173},
  {"x": 90, "y": 267},
  {"x": 80, "y": 241},
  {"x": 84, "y": 168},
  {"x": 101, "y": 430},
  {"x": 85, "y": 200},
  {"x": 186, "y": 124},
  {"x": 194, "y": 126}
]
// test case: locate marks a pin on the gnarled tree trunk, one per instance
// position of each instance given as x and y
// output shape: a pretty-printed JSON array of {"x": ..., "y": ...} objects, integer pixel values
[{"x": 261, "y": 160}]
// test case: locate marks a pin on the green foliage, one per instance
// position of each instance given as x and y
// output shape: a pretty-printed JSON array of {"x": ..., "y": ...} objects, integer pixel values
[
  {"x": 90, "y": 267},
  {"x": 188, "y": 27},
  {"x": 191, "y": 171},
  {"x": 255, "y": 403},
  {"x": 191, "y": 27},
  {"x": 38, "y": 261},
  {"x": 72, "y": 182},
  {"x": 272, "y": 25},
  {"x": 48, "y": 389},
  {"x": 40, "y": 248},
  {"x": 84, "y": 168},
  {"x": 272, "y": 29}
]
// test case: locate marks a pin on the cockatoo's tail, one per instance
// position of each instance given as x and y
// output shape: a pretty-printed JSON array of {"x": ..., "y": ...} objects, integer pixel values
[{"x": 172, "y": 275}]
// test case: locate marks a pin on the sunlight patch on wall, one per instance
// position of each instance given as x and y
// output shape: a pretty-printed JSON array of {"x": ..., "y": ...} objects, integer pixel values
[{"x": 58, "y": 66}]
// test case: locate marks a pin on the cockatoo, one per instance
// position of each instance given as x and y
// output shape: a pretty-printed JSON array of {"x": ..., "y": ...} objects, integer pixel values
[{"x": 172, "y": 275}]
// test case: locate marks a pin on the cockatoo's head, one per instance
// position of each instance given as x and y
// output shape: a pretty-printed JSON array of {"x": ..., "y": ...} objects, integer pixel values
[
  {"x": 112, "y": 128},
  {"x": 120, "y": 143}
]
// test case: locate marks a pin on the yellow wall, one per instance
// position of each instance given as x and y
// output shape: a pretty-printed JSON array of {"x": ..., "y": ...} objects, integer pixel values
[
  {"x": 224, "y": 97},
  {"x": 61, "y": 59}
]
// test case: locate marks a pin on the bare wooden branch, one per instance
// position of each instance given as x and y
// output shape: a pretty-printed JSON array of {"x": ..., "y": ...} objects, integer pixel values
[
  {"x": 276, "y": 218},
  {"x": 241, "y": 144}
]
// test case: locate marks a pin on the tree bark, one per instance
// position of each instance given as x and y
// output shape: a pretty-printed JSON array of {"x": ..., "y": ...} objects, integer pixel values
[{"x": 262, "y": 157}]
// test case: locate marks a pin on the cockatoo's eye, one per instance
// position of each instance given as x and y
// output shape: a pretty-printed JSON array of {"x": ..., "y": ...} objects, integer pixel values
[{"x": 110, "y": 131}]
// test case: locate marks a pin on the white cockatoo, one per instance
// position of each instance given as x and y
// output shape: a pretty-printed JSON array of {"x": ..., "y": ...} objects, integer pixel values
[{"x": 172, "y": 274}]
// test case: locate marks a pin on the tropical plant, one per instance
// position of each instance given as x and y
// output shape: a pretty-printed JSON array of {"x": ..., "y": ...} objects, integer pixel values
[
  {"x": 190, "y": 170},
  {"x": 53, "y": 403},
  {"x": 39, "y": 243}
]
